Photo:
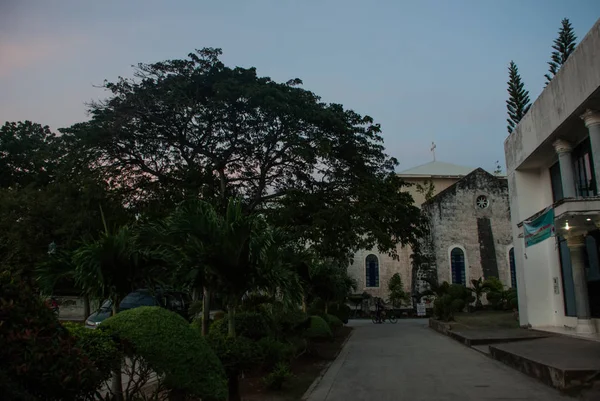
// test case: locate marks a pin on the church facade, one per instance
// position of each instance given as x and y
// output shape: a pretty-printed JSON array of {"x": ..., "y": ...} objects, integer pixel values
[{"x": 469, "y": 232}]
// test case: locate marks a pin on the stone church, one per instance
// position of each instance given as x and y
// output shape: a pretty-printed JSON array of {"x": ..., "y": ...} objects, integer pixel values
[{"x": 469, "y": 232}]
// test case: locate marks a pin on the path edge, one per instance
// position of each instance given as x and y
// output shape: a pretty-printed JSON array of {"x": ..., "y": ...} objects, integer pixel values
[{"x": 324, "y": 371}]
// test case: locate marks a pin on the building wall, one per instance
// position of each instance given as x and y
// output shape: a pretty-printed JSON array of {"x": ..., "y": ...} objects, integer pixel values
[
  {"x": 387, "y": 268},
  {"x": 453, "y": 218},
  {"x": 440, "y": 183},
  {"x": 387, "y": 265},
  {"x": 529, "y": 154}
]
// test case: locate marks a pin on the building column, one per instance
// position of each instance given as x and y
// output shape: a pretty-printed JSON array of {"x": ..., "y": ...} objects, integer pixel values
[
  {"x": 576, "y": 244},
  {"x": 591, "y": 118},
  {"x": 567, "y": 177}
]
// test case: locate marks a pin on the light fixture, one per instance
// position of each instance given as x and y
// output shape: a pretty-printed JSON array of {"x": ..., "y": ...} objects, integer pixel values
[
  {"x": 588, "y": 219},
  {"x": 567, "y": 225}
]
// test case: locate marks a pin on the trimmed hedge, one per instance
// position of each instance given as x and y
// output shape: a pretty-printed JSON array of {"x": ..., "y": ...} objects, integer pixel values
[
  {"x": 171, "y": 347},
  {"x": 274, "y": 351},
  {"x": 318, "y": 329},
  {"x": 251, "y": 325},
  {"x": 341, "y": 311},
  {"x": 334, "y": 322}
]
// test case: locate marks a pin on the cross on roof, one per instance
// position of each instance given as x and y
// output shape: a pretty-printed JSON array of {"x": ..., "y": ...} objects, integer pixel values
[{"x": 433, "y": 150}]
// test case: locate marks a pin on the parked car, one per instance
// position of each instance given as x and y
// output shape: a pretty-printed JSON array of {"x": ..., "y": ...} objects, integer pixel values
[{"x": 175, "y": 301}]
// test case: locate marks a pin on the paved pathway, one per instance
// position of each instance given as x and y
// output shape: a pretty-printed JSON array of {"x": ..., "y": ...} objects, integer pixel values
[{"x": 409, "y": 361}]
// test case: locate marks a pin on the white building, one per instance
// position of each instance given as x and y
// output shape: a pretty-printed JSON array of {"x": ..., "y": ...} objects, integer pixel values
[{"x": 553, "y": 160}]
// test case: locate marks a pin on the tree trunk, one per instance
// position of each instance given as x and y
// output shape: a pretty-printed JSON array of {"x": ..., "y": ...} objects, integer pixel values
[
  {"x": 326, "y": 307},
  {"x": 116, "y": 385},
  {"x": 231, "y": 317},
  {"x": 205, "y": 311},
  {"x": 86, "y": 307},
  {"x": 304, "y": 306},
  {"x": 117, "y": 379},
  {"x": 234, "y": 387}
]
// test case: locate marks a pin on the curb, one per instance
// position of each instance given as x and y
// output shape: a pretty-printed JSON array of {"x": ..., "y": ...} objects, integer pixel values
[{"x": 323, "y": 371}]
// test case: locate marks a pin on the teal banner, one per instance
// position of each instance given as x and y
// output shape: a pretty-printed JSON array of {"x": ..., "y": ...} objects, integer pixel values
[{"x": 540, "y": 228}]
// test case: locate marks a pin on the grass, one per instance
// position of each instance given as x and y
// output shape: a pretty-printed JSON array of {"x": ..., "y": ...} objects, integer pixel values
[{"x": 485, "y": 320}]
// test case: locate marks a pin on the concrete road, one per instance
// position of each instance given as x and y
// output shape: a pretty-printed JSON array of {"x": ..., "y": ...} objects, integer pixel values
[{"x": 409, "y": 361}]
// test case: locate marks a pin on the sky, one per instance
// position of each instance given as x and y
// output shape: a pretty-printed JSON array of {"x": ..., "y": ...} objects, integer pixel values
[{"x": 426, "y": 70}]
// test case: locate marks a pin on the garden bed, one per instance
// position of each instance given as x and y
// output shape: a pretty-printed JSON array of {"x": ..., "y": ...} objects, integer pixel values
[{"x": 306, "y": 369}]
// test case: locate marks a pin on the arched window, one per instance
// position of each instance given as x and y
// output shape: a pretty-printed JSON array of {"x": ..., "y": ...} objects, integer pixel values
[
  {"x": 457, "y": 263},
  {"x": 513, "y": 268},
  {"x": 372, "y": 271}
]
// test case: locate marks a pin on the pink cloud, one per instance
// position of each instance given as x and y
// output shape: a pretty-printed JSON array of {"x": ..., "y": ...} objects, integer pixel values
[{"x": 22, "y": 54}]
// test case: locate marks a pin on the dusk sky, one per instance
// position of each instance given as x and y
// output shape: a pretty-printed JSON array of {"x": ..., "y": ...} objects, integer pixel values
[{"x": 426, "y": 70}]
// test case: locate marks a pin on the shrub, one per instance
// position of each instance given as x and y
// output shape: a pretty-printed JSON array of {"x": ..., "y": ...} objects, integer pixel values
[
  {"x": 251, "y": 325},
  {"x": 278, "y": 376},
  {"x": 171, "y": 347},
  {"x": 493, "y": 284},
  {"x": 288, "y": 322},
  {"x": 39, "y": 359},
  {"x": 334, "y": 322},
  {"x": 236, "y": 353},
  {"x": 97, "y": 345},
  {"x": 342, "y": 311},
  {"x": 506, "y": 299},
  {"x": 274, "y": 351},
  {"x": 318, "y": 329}
]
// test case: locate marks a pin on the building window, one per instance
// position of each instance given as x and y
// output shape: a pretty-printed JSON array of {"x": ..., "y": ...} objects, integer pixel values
[
  {"x": 585, "y": 181},
  {"x": 556, "y": 182},
  {"x": 457, "y": 264},
  {"x": 372, "y": 271},
  {"x": 482, "y": 202},
  {"x": 513, "y": 268}
]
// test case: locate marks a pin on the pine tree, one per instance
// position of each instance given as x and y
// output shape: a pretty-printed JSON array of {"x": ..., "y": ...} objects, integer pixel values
[
  {"x": 563, "y": 46},
  {"x": 518, "y": 98}
]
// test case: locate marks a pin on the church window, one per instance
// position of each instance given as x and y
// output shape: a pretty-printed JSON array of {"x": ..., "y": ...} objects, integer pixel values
[
  {"x": 482, "y": 202},
  {"x": 372, "y": 271},
  {"x": 457, "y": 264}
]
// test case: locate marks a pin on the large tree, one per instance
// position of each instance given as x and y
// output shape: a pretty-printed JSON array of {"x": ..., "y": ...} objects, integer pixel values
[
  {"x": 518, "y": 102},
  {"x": 47, "y": 194},
  {"x": 197, "y": 128},
  {"x": 563, "y": 46}
]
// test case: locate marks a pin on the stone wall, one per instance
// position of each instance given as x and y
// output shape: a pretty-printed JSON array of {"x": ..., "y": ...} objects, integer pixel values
[
  {"x": 387, "y": 268},
  {"x": 457, "y": 221}
]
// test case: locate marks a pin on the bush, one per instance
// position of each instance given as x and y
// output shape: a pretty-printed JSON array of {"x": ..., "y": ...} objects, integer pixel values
[
  {"x": 342, "y": 311},
  {"x": 98, "y": 346},
  {"x": 318, "y": 329},
  {"x": 39, "y": 359},
  {"x": 274, "y": 351},
  {"x": 171, "y": 347},
  {"x": 251, "y": 325},
  {"x": 236, "y": 353},
  {"x": 278, "y": 376},
  {"x": 288, "y": 322},
  {"x": 334, "y": 322}
]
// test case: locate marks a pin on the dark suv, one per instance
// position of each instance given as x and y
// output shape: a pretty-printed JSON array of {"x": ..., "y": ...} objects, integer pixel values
[{"x": 175, "y": 301}]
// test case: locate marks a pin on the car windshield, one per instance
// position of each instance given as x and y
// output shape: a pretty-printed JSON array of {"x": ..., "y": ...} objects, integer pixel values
[
  {"x": 107, "y": 304},
  {"x": 138, "y": 298}
]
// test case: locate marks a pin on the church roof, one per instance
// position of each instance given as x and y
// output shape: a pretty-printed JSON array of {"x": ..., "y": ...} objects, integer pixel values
[{"x": 436, "y": 168}]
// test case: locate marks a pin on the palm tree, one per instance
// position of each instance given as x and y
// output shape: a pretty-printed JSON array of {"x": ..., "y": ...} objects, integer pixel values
[
  {"x": 186, "y": 241},
  {"x": 110, "y": 267}
]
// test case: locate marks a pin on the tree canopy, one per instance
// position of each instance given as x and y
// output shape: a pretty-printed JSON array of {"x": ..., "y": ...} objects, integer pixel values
[
  {"x": 197, "y": 128},
  {"x": 518, "y": 103},
  {"x": 563, "y": 46}
]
